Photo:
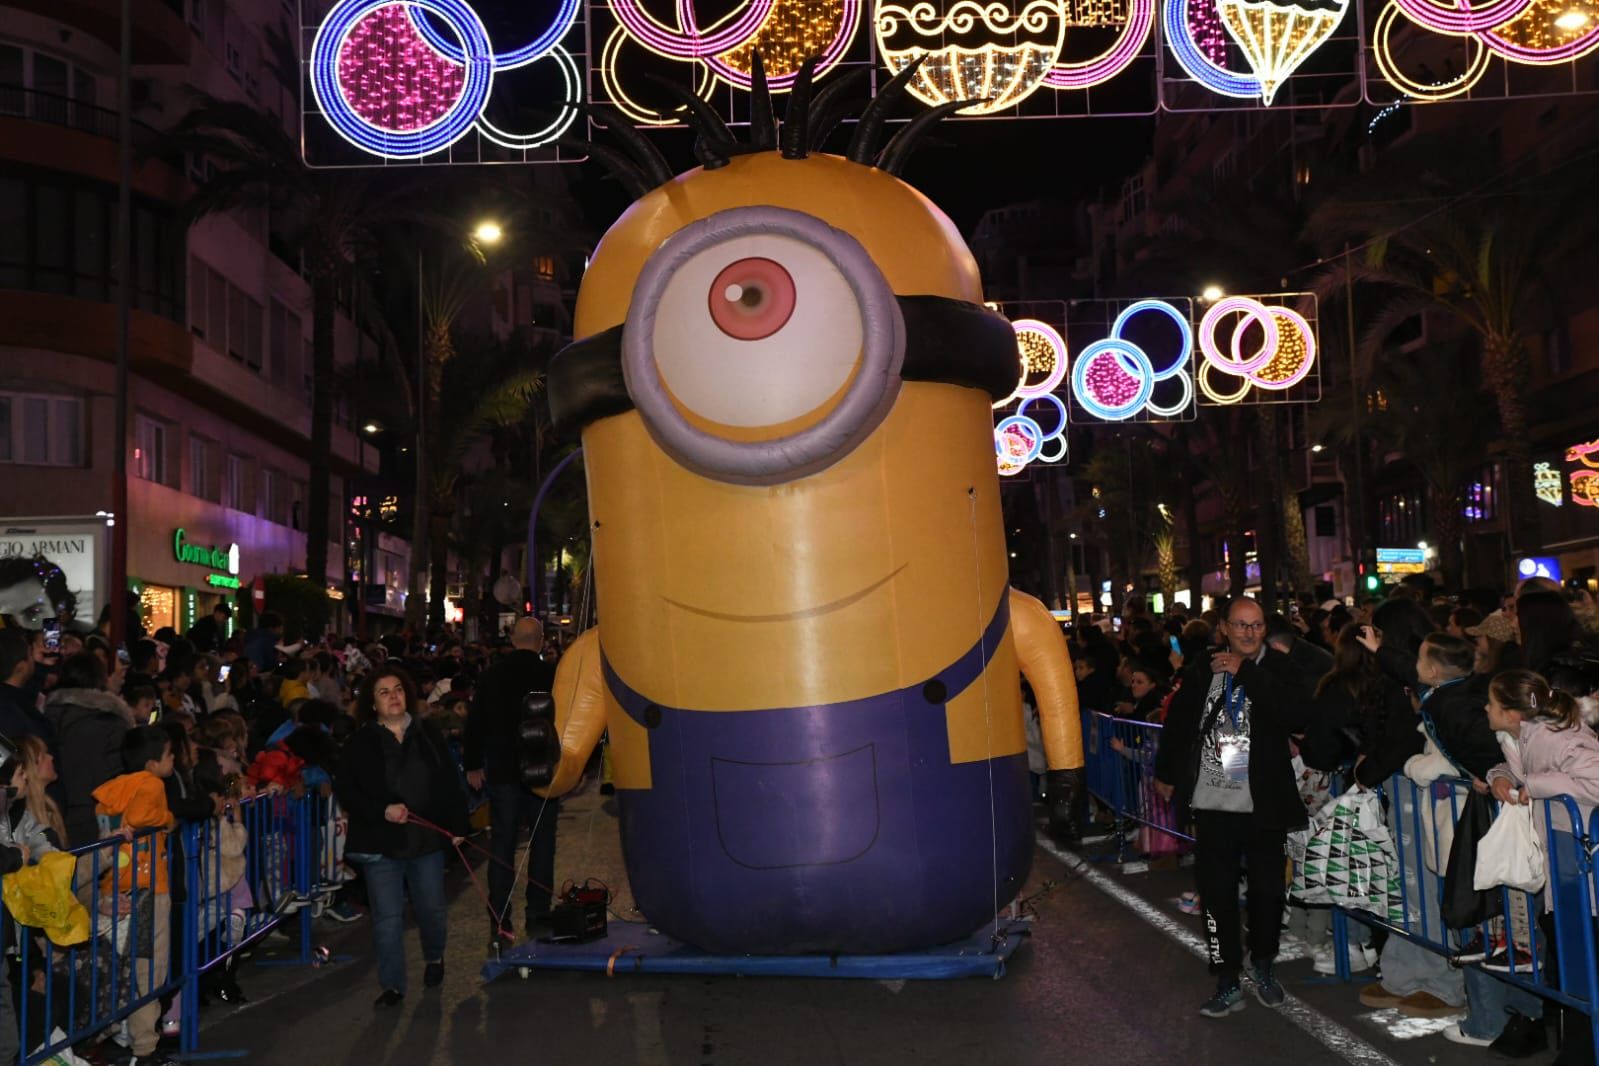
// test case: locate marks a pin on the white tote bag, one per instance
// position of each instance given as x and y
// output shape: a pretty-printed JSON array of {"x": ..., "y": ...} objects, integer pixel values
[{"x": 1510, "y": 853}]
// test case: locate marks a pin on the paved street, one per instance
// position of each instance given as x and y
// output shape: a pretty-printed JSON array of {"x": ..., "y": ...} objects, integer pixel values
[{"x": 1096, "y": 983}]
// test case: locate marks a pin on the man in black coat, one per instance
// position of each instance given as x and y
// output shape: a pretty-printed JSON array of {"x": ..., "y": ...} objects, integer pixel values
[
  {"x": 209, "y": 634},
  {"x": 1224, "y": 756},
  {"x": 491, "y": 749}
]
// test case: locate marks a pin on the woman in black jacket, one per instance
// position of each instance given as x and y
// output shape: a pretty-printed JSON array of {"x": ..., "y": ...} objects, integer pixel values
[
  {"x": 1360, "y": 713},
  {"x": 396, "y": 782}
]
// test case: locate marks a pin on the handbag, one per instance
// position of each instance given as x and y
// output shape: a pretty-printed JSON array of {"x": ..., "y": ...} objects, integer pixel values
[
  {"x": 1510, "y": 853},
  {"x": 1347, "y": 857},
  {"x": 1463, "y": 904}
]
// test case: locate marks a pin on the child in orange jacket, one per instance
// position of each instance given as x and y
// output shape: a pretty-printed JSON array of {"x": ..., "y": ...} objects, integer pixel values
[{"x": 134, "y": 802}]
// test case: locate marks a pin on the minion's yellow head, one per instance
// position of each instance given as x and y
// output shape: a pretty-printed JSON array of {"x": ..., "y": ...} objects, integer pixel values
[{"x": 783, "y": 378}]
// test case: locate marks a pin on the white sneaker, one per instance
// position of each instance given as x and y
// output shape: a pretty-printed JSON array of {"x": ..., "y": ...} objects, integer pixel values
[
  {"x": 1361, "y": 958},
  {"x": 1453, "y": 1033}
]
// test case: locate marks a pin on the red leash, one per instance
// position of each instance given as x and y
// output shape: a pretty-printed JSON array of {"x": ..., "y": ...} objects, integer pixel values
[{"x": 488, "y": 903}]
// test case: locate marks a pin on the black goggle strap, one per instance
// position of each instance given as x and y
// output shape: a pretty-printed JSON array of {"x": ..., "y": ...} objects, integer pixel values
[{"x": 949, "y": 341}]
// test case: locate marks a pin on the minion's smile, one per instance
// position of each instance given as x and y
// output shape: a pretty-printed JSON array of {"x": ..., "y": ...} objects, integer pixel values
[{"x": 789, "y": 616}]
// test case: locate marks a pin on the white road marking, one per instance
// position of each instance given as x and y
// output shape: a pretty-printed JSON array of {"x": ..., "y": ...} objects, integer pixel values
[{"x": 1345, "y": 1044}]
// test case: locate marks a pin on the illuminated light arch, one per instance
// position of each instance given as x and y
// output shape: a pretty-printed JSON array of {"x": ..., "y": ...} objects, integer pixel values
[
  {"x": 1381, "y": 51},
  {"x": 1579, "y": 46},
  {"x": 1461, "y": 19},
  {"x": 1092, "y": 72},
  {"x": 782, "y": 65},
  {"x": 1173, "y": 410},
  {"x": 329, "y": 91},
  {"x": 639, "y": 113},
  {"x": 1286, "y": 356},
  {"x": 565, "y": 16},
  {"x": 999, "y": 74},
  {"x": 1040, "y": 349},
  {"x": 1198, "y": 66}
]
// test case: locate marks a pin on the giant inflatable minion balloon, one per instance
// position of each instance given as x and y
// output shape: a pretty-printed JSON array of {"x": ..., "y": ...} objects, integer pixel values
[{"x": 808, "y": 652}]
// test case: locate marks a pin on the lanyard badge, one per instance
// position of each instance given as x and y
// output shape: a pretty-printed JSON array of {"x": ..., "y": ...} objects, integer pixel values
[{"x": 1233, "y": 751}]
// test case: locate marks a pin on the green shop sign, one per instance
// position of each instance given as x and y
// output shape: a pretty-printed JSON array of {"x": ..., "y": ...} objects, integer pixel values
[{"x": 213, "y": 558}]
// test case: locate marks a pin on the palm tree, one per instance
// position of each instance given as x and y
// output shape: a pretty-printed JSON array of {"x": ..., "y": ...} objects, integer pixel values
[
  {"x": 1437, "y": 238},
  {"x": 332, "y": 217}
]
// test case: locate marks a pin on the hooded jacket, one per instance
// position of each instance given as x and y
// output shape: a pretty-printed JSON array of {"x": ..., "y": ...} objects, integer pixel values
[
  {"x": 1550, "y": 762},
  {"x": 138, "y": 801},
  {"x": 89, "y": 726},
  {"x": 1461, "y": 739}
]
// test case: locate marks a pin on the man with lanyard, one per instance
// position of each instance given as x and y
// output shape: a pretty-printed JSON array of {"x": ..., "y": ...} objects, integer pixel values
[{"x": 1224, "y": 756}]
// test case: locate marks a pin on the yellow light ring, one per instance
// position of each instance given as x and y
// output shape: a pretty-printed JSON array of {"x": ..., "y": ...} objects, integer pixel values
[
  {"x": 947, "y": 63},
  {"x": 849, "y": 26},
  {"x": 1205, "y": 367},
  {"x": 634, "y": 110},
  {"x": 1382, "y": 52}
]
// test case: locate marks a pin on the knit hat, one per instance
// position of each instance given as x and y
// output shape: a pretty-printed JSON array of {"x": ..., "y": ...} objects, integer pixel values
[{"x": 1497, "y": 626}]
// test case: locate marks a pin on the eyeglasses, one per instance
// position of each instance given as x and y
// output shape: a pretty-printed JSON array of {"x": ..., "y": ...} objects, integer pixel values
[{"x": 1248, "y": 627}]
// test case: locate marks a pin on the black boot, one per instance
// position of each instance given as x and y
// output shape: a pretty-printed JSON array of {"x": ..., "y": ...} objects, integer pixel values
[
  {"x": 1065, "y": 795},
  {"x": 1522, "y": 1037},
  {"x": 1576, "y": 1047}
]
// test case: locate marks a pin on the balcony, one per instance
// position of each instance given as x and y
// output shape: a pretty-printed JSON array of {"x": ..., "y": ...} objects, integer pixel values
[
  {"x": 160, "y": 34},
  {"x": 59, "y": 133}
]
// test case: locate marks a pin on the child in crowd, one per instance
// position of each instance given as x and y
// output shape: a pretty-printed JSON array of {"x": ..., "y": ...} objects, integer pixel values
[
  {"x": 143, "y": 700},
  {"x": 131, "y": 803}
]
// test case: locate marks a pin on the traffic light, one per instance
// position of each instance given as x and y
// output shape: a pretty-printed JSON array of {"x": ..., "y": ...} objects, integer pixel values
[
  {"x": 541, "y": 747},
  {"x": 1373, "y": 582}
]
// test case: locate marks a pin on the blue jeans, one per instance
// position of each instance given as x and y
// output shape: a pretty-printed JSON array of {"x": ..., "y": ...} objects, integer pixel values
[
  {"x": 388, "y": 882},
  {"x": 1487, "y": 1000}
]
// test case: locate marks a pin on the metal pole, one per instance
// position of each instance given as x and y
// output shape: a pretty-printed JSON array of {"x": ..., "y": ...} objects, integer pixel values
[
  {"x": 118, "y": 628},
  {"x": 420, "y": 564},
  {"x": 1357, "y": 490}
]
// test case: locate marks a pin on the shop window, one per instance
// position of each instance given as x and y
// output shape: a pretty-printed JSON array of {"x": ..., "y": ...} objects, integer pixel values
[
  {"x": 41, "y": 430},
  {"x": 234, "y": 490},
  {"x": 203, "y": 468},
  {"x": 150, "y": 449}
]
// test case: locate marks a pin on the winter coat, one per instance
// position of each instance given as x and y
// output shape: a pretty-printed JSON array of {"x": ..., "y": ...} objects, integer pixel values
[
  {"x": 1279, "y": 705},
  {"x": 490, "y": 742},
  {"x": 138, "y": 801},
  {"x": 1462, "y": 740},
  {"x": 377, "y": 771},
  {"x": 1549, "y": 762},
  {"x": 1383, "y": 736},
  {"x": 89, "y": 726}
]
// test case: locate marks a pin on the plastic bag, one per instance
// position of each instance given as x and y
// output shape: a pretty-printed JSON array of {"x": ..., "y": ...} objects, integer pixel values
[
  {"x": 1347, "y": 857},
  {"x": 1462, "y": 904},
  {"x": 1510, "y": 853},
  {"x": 41, "y": 896}
]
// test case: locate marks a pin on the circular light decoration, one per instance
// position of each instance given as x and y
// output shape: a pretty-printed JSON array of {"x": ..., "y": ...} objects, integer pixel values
[
  {"x": 1526, "y": 32},
  {"x": 1285, "y": 356},
  {"x": 1017, "y": 48},
  {"x": 1274, "y": 37},
  {"x": 1114, "y": 379},
  {"x": 1020, "y": 439},
  {"x": 1041, "y": 351},
  {"x": 519, "y": 57},
  {"x": 1102, "y": 68}
]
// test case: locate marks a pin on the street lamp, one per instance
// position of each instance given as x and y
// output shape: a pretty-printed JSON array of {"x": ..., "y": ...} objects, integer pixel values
[
  {"x": 1572, "y": 20},
  {"x": 1316, "y": 448},
  {"x": 488, "y": 233},
  {"x": 1212, "y": 293},
  {"x": 371, "y": 428}
]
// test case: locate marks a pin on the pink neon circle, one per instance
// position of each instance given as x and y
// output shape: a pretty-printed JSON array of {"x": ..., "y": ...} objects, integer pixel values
[
  {"x": 1298, "y": 322},
  {"x": 392, "y": 77},
  {"x": 1140, "y": 18},
  {"x": 847, "y": 26},
  {"x": 1521, "y": 54},
  {"x": 1238, "y": 366},
  {"x": 1057, "y": 344},
  {"x": 763, "y": 303},
  {"x": 677, "y": 45},
  {"x": 1465, "y": 20}
]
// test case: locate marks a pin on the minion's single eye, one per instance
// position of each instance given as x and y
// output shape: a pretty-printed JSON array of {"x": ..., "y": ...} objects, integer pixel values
[
  {"x": 768, "y": 321},
  {"x": 752, "y": 299},
  {"x": 756, "y": 330}
]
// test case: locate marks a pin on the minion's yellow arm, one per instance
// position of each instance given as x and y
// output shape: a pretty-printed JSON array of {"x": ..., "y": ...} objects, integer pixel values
[
  {"x": 579, "y": 710},
  {"x": 1047, "y": 665}
]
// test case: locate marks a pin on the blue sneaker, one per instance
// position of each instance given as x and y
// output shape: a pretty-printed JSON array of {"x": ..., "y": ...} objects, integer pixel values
[
  {"x": 1229, "y": 999},
  {"x": 1267, "y": 988}
]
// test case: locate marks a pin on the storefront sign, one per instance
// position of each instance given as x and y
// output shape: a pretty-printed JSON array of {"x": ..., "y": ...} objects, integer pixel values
[
  {"x": 1539, "y": 566},
  {"x": 1401, "y": 561},
  {"x": 49, "y": 568},
  {"x": 212, "y": 558}
]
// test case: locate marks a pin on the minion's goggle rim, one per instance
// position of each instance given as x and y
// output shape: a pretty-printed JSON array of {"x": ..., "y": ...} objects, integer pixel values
[{"x": 951, "y": 342}]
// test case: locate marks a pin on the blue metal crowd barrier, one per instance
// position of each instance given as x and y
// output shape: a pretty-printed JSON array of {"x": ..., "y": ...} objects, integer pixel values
[
  {"x": 274, "y": 859},
  {"x": 1119, "y": 766},
  {"x": 1422, "y": 820}
]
